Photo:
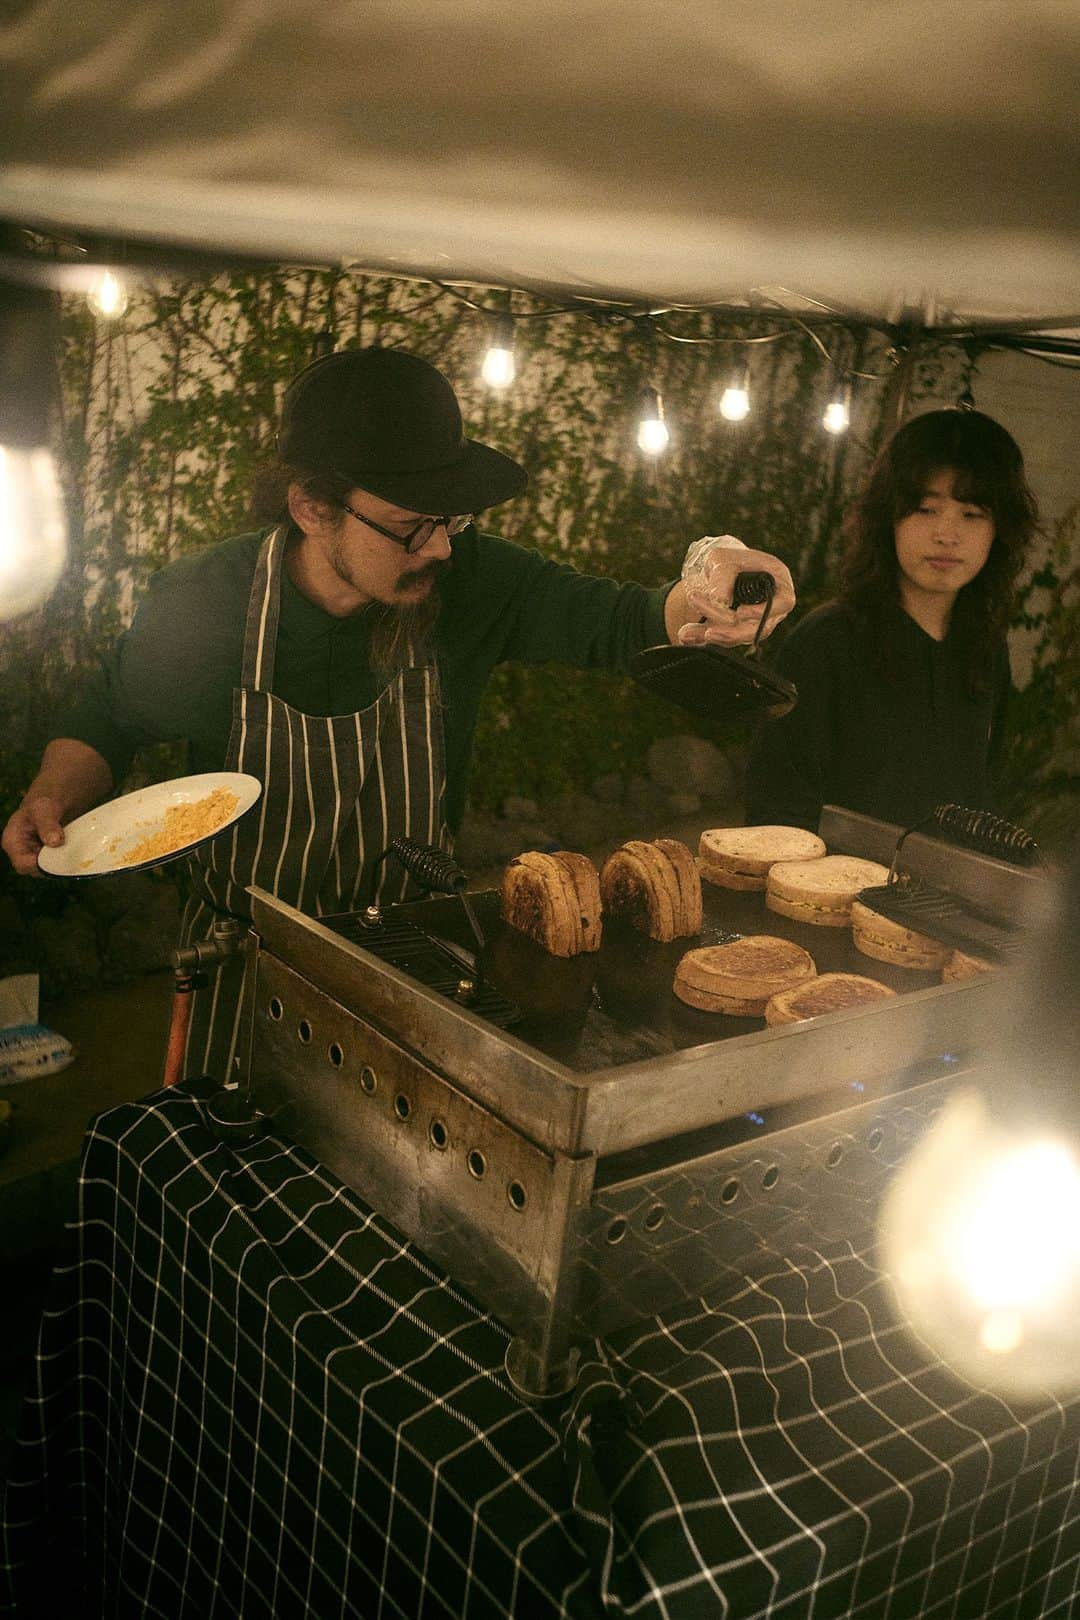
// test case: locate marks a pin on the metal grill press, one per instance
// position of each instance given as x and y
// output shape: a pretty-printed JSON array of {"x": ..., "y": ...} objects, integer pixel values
[{"x": 613, "y": 1151}]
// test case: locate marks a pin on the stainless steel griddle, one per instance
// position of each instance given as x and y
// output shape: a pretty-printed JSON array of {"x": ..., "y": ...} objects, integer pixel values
[{"x": 612, "y": 1150}]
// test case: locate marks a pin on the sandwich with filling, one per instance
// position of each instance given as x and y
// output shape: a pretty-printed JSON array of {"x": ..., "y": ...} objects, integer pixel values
[
  {"x": 740, "y": 857},
  {"x": 960, "y": 965},
  {"x": 888, "y": 941},
  {"x": 740, "y": 977},
  {"x": 829, "y": 992},
  {"x": 820, "y": 892}
]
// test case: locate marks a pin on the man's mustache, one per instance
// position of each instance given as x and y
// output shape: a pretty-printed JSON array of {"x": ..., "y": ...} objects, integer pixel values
[{"x": 412, "y": 576}]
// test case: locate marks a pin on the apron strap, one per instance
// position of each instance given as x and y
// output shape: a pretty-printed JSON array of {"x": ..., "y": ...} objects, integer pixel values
[{"x": 263, "y": 613}]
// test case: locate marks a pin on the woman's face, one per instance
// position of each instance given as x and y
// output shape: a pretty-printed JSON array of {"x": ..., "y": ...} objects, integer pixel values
[{"x": 943, "y": 544}]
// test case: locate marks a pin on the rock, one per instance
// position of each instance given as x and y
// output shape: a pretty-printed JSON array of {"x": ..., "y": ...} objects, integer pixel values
[
  {"x": 684, "y": 804},
  {"x": 486, "y": 840},
  {"x": 579, "y": 820},
  {"x": 609, "y": 789},
  {"x": 144, "y": 938},
  {"x": 517, "y": 808},
  {"x": 645, "y": 805},
  {"x": 685, "y": 764},
  {"x": 67, "y": 952},
  {"x": 110, "y": 898}
]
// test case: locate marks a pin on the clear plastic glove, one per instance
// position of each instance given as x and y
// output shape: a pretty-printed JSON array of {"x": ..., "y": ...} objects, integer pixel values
[{"x": 710, "y": 569}]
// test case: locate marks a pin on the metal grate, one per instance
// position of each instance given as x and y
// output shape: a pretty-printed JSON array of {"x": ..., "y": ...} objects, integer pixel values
[
  {"x": 928, "y": 910},
  {"x": 401, "y": 944}
]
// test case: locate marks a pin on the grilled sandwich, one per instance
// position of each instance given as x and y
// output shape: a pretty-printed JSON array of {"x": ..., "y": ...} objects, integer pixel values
[
  {"x": 740, "y": 857},
  {"x": 740, "y": 977}
]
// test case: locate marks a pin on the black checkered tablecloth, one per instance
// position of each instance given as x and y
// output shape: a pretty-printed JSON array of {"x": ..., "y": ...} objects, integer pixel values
[{"x": 253, "y": 1398}]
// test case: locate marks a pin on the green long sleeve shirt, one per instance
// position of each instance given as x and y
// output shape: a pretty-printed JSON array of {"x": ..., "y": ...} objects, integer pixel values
[{"x": 171, "y": 675}]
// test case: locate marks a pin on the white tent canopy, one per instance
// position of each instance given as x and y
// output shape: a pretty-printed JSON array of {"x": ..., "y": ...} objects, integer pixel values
[{"x": 892, "y": 159}]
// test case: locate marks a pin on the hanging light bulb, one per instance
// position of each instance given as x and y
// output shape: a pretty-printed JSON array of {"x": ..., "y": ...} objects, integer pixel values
[
  {"x": 837, "y": 418},
  {"x": 652, "y": 433},
  {"x": 498, "y": 369},
  {"x": 108, "y": 297},
  {"x": 33, "y": 529},
  {"x": 735, "y": 400}
]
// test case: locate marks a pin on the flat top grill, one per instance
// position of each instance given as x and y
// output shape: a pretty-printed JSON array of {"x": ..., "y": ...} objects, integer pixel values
[{"x": 617, "y": 1005}]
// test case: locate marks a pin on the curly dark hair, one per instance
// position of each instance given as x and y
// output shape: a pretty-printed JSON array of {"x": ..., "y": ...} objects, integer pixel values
[
  {"x": 988, "y": 469},
  {"x": 394, "y": 629}
]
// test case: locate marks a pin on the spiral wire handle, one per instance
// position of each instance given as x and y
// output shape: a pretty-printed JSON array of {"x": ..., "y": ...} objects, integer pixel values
[
  {"x": 975, "y": 829},
  {"x": 751, "y": 587},
  {"x": 438, "y": 872}
]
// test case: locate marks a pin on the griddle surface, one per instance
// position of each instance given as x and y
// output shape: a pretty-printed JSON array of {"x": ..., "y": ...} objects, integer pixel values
[{"x": 616, "y": 1005}]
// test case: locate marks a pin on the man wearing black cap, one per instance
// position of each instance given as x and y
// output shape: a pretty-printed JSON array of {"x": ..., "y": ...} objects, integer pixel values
[{"x": 340, "y": 654}]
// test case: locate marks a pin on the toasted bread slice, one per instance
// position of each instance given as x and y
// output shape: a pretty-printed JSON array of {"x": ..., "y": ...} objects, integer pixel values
[
  {"x": 888, "y": 941},
  {"x": 740, "y": 857},
  {"x": 706, "y": 1001},
  {"x": 960, "y": 965},
  {"x": 821, "y": 891},
  {"x": 745, "y": 971},
  {"x": 586, "y": 884},
  {"x": 549, "y": 898},
  {"x": 830, "y": 992},
  {"x": 653, "y": 887},
  {"x": 690, "y": 915}
]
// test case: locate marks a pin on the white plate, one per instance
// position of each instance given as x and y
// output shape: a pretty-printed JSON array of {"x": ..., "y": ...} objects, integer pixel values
[{"x": 96, "y": 843}]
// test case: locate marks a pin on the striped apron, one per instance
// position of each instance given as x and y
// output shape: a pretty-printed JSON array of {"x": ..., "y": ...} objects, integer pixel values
[{"x": 336, "y": 790}]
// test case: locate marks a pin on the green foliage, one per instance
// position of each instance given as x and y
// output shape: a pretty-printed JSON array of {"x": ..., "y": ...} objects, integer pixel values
[
  {"x": 1041, "y": 788},
  {"x": 167, "y": 415}
]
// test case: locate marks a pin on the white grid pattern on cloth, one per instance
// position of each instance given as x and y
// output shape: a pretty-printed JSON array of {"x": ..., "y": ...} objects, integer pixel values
[{"x": 290, "y": 1411}]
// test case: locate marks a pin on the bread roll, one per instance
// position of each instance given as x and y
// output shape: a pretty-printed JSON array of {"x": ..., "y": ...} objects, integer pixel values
[{"x": 555, "y": 900}]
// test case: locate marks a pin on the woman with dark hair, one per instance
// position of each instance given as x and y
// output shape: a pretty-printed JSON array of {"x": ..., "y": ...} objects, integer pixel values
[{"x": 903, "y": 680}]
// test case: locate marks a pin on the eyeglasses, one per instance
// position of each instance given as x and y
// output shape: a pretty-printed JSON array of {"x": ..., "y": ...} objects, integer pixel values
[{"x": 416, "y": 538}]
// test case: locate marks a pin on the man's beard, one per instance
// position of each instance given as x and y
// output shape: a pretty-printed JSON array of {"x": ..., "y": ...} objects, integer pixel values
[{"x": 399, "y": 629}]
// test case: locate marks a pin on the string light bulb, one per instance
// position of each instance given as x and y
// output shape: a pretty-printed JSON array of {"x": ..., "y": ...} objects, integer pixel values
[
  {"x": 33, "y": 526},
  {"x": 498, "y": 369},
  {"x": 837, "y": 417},
  {"x": 108, "y": 297},
  {"x": 652, "y": 434},
  {"x": 735, "y": 400},
  {"x": 33, "y": 529}
]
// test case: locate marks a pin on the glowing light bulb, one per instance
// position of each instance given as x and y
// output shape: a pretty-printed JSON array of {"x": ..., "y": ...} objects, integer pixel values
[
  {"x": 498, "y": 369},
  {"x": 33, "y": 529},
  {"x": 980, "y": 1233},
  {"x": 652, "y": 434},
  {"x": 837, "y": 418},
  {"x": 735, "y": 404},
  {"x": 108, "y": 297},
  {"x": 735, "y": 400}
]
